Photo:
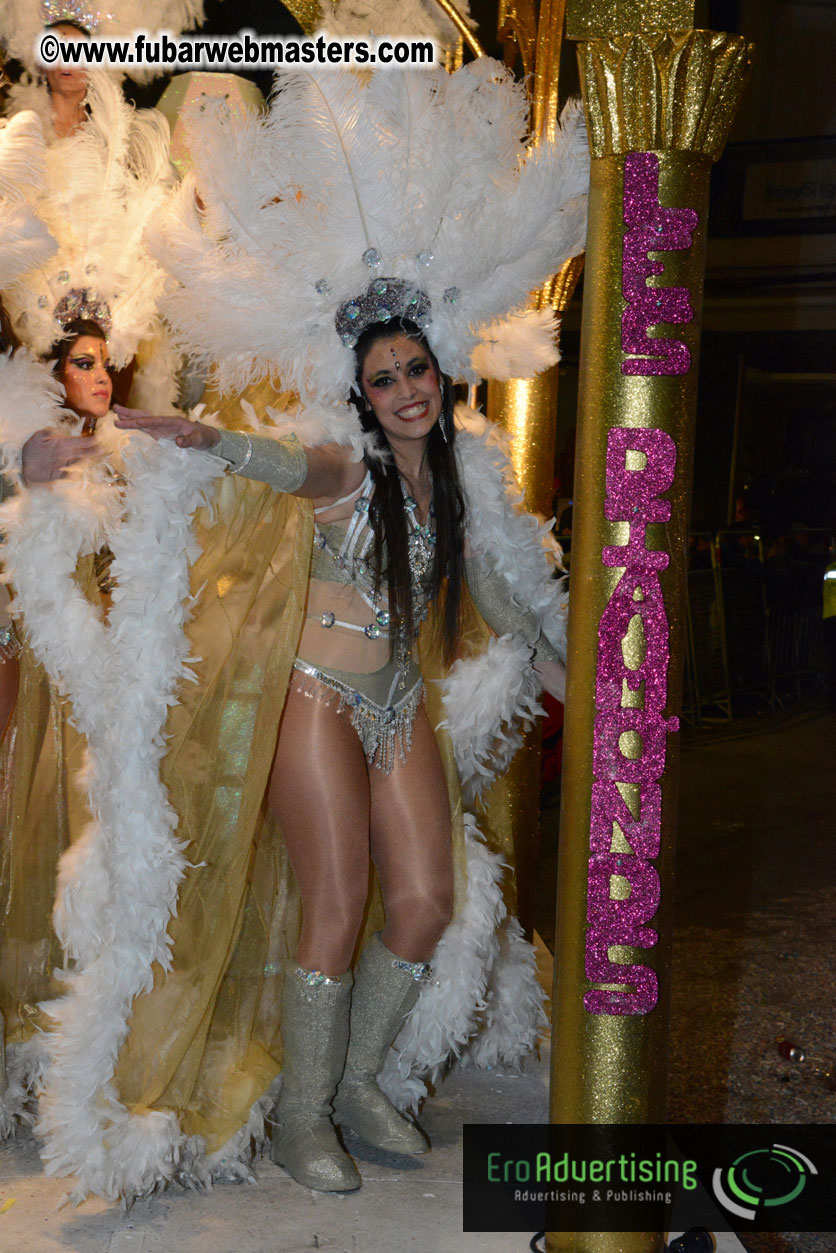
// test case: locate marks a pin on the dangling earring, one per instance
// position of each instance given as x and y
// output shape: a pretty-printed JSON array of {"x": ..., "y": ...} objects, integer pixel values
[{"x": 444, "y": 434}]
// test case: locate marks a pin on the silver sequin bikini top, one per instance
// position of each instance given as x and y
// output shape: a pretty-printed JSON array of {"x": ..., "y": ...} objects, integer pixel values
[{"x": 344, "y": 552}]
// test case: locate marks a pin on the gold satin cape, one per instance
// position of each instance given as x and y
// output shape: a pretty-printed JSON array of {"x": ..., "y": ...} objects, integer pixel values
[{"x": 206, "y": 1040}]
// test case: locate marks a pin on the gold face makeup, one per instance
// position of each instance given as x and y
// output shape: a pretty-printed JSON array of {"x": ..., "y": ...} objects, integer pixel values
[{"x": 86, "y": 378}]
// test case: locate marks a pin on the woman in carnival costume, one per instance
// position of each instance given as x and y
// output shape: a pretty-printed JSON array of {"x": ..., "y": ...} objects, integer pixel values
[
  {"x": 407, "y": 203},
  {"x": 86, "y": 199},
  {"x": 105, "y": 164},
  {"x": 87, "y": 172},
  {"x": 81, "y": 366},
  {"x": 58, "y": 93}
]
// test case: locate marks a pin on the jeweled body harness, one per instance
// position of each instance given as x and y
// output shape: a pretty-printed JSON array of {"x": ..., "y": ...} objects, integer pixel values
[{"x": 383, "y": 702}]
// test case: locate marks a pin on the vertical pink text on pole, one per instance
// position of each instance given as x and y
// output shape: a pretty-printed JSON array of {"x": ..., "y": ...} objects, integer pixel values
[
  {"x": 652, "y": 229},
  {"x": 633, "y": 497}
]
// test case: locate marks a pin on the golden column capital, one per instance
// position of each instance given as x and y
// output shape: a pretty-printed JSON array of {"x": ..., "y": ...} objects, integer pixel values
[
  {"x": 672, "y": 91},
  {"x": 596, "y": 19}
]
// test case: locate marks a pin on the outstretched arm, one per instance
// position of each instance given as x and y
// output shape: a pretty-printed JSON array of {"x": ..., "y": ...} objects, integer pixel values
[
  {"x": 491, "y": 595},
  {"x": 48, "y": 453},
  {"x": 284, "y": 464}
]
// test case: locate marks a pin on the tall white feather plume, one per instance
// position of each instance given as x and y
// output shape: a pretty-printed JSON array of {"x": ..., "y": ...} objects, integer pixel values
[
  {"x": 25, "y": 241},
  {"x": 22, "y": 153},
  {"x": 429, "y": 169},
  {"x": 30, "y": 399},
  {"x": 100, "y": 188}
]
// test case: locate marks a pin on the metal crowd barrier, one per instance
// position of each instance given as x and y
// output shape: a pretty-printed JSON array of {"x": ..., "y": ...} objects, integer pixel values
[{"x": 754, "y": 621}]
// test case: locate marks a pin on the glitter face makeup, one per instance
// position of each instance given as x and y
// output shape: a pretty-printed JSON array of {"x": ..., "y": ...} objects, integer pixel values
[
  {"x": 401, "y": 385},
  {"x": 652, "y": 229},
  {"x": 86, "y": 378},
  {"x": 631, "y": 730}
]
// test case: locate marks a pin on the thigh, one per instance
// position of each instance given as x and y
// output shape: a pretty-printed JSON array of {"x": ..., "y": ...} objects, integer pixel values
[
  {"x": 319, "y": 792},
  {"x": 410, "y": 821}
]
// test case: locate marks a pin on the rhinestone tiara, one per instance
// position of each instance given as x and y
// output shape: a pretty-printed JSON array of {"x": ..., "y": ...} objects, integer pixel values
[
  {"x": 81, "y": 304},
  {"x": 75, "y": 11},
  {"x": 383, "y": 300}
]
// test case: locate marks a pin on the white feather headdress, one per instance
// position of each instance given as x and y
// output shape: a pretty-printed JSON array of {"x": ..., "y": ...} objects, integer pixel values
[
  {"x": 21, "y": 21},
  {"x": 24, "y": 240},
  {"x": 416, "y": 175},
  {"x": 99, "y": 189}
]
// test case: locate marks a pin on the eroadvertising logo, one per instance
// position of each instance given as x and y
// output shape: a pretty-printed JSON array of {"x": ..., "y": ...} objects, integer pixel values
[
  {"x": 616, "y": 1177},
  {"x": 762, "y": 1178}
]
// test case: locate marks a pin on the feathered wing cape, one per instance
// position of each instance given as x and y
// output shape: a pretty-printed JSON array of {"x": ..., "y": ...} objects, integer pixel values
[{"x": 119, "y": 1113}]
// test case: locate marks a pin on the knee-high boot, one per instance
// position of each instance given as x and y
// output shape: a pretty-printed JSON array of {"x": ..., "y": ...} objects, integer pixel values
[
  {"x": 315, "y": 1012},
  {"x": 385, "y": 989}
]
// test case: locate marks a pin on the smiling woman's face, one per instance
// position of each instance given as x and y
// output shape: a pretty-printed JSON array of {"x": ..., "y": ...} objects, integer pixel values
[
  {"x": 400, "y": 383},
  {"x": 85, "y": 376}
]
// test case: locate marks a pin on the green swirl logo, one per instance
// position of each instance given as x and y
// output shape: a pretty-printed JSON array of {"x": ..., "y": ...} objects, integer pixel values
[{"x": 761, "y": 1179}]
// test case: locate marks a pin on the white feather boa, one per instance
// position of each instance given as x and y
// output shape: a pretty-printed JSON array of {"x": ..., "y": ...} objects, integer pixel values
[
  {"x": 118, "y": 884},
  {"x": 489, "y": 698},
  {"x": 486, "y": 1001}
]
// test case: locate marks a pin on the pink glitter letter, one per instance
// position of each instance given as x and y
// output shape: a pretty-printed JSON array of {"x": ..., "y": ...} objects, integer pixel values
[
  {"x": 652, "y": 229},
  {"x": 632, "y": 497}
]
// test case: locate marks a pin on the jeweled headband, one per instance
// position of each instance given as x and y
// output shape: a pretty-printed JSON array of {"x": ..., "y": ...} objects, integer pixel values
[
  {"x": 383, "y": 300},
  {"x": 75, "y": 12},
  {"x": 83, "y": 305}
]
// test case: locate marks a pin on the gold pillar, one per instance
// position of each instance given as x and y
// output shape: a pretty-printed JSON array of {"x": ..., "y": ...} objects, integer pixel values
[
  {"x": 660, "y": 98},
  {"x": 527, "y": 408}
]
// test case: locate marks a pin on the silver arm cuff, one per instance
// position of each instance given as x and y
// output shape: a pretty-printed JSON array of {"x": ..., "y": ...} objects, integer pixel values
[
  {"x": 492, "y": 597},
  {"x": 281, "y": 463}
]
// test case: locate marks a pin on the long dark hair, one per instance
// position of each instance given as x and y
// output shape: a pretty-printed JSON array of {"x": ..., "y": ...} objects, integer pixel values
[{"x": 388, "y": 515}]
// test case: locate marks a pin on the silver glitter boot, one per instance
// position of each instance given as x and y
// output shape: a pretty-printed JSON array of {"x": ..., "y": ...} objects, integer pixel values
[
  {"x": 315, "y": 1011},
  {"x": 385, "y": 989}
]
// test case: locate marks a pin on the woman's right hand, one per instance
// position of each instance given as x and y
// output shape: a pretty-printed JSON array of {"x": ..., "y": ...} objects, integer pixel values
[
  {"x": 48, "y": 453},
  {"x": 184, "y": 432}
]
